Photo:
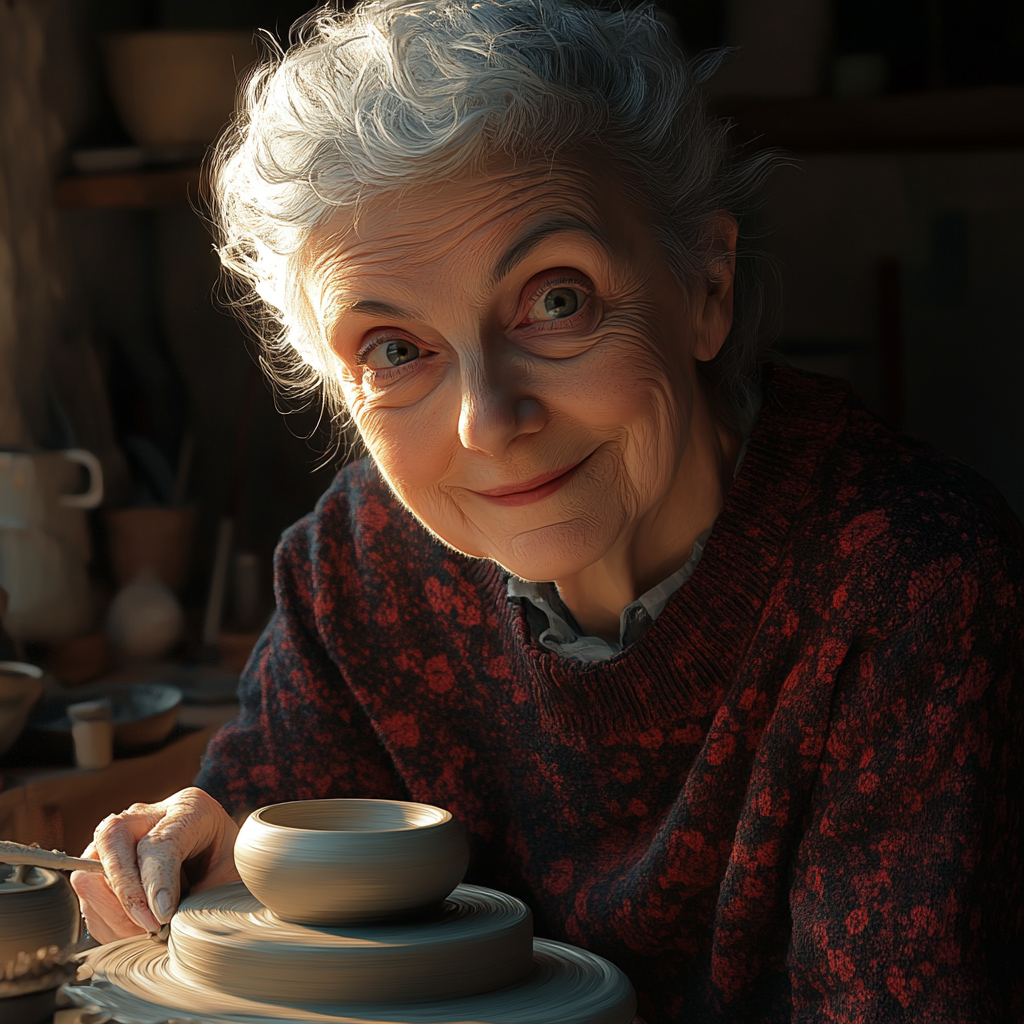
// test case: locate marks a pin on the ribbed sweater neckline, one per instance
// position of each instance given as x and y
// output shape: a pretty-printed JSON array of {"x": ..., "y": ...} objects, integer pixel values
[{"x": 696, "y": 645}]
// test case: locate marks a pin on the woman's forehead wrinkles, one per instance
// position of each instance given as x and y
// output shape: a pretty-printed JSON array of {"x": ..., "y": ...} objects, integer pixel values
[
  {"x": 447, "y": 217},
  {"x": 493, "y": 224}
]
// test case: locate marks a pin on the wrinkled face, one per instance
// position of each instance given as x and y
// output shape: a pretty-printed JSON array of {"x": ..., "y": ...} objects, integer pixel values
[{"x": 515, "y": 352}]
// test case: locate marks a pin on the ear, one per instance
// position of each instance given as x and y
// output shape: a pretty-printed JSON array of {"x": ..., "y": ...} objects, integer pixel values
[{"x": 714, "y": 303}]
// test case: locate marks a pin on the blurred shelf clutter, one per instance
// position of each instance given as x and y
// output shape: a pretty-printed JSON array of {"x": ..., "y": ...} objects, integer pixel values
[
  {"x": 114, "y": 679},
  {"x": 806, "y": 75},
  {"x": 59, "y": 807},
  {"x": 803, "y": 48},
  {"x": 978, "y": 118},
  {"x": 961, "y": 119},
  {"x": 147, "y": 189},
  {"x": 134, "y": 547}
]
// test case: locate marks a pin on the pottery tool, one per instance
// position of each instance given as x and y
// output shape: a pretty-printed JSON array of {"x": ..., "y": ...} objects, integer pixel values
[
  {"x": 35, "y": 856},
  {"x": 56, "y": 860}
]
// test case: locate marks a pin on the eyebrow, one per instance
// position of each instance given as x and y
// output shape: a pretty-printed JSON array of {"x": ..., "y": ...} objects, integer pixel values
[
  {"x": 515, "y": 253},
  {"x": 374, "y": 307},
  {"x": 522, "y": 247}
]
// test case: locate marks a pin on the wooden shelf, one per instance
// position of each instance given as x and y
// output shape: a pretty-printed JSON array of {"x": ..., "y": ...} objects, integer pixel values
[
  {"x": 130, "y": 190},
  {"x": 951, "y": 119}
]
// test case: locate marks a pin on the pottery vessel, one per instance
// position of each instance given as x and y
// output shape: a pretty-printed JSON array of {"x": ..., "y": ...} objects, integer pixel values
[
  {"x": 44, "y": 542},
  {"x": 174, "y": 88},
  {"x": 37, "y": 913},
  {"x": 348, "y": 861},
  {"x": 157, "y": 539},
  {"x": 144, "y": 714},
  {"x": 21, "y": 685}
]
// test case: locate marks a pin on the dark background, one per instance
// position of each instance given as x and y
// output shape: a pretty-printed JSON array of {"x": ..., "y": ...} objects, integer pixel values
[{"x": 922, "y": 243}]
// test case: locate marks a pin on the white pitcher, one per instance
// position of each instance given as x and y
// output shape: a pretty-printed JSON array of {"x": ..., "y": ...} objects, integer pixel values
[{"x": 44, "y": 542}]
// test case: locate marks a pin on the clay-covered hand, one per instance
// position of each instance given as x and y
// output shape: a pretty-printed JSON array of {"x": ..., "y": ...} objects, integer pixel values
[{"x": 145, "y": 851}]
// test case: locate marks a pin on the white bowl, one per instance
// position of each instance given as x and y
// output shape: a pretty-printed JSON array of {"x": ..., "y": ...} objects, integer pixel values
[
  {"x": 175, "y": 88},
  {"x": 334, "y": 862},
  {"x": 21, "y": 685}
]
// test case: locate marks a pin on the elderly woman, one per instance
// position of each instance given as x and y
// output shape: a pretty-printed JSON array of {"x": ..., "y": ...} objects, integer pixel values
[{"x": 722, "y": 676}]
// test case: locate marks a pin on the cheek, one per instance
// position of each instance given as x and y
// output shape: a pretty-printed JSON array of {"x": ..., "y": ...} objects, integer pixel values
[
  {"x": 412, "y": 447},
  {"x": 643, "y": 402},
  {"x": 618, "y": 386}
]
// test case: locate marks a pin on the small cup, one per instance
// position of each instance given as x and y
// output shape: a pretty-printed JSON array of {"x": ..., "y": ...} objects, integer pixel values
[{"x": 92, "y": 729}]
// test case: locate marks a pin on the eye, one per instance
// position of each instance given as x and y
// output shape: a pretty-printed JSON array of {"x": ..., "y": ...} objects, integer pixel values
[
  {"x": 388, "y": 354},
  {"x": 556, "y": 303}
]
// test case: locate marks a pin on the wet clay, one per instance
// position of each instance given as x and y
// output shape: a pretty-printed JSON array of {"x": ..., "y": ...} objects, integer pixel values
[
  {"x": 350, "y": 861},
  {"x": 479, "y": 940},
  {"x": 133, "y": 982},
  {"x": 296, "y": 945}
]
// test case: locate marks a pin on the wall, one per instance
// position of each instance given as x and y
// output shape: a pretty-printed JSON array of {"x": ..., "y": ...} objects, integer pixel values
[
  {"x": 39, "y": 108},
  {"x": 952, "y": 222}
]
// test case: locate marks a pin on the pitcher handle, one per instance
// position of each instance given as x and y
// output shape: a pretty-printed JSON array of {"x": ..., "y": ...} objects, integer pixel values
[{"x": 94, "y": 495}]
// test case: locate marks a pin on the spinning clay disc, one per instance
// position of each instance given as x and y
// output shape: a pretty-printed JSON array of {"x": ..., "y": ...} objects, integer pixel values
[
  {"x": 133, "y": 982},
  {"x": 226, "y": 940}
]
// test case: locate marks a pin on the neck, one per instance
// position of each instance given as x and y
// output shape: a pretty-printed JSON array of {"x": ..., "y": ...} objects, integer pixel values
[{"x": 659, "y": 542}]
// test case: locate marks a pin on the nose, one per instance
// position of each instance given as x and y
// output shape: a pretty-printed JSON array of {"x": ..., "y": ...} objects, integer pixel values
[{"x": 495, "y": 408}]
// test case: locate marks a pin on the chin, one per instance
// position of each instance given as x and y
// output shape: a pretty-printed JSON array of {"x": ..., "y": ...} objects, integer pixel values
[{"x": 552, "y": 553}]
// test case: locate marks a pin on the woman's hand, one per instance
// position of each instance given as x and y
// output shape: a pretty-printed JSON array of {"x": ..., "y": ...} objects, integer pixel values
[{"x": 145, "y": 851}]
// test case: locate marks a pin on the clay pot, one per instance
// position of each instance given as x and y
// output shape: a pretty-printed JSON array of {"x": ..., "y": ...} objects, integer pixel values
[
  {"x": 334, "y": 862},
  {"x": 175, "y": 88},
  {"x": 77, "y": 661},
  {"x": 21, "y": 685},
  {"x": 44, "y": 542},
  {"x": 145, "y": 620},
  {"x": 38, "y": 913},
  {"x": 154, "y": 539}
]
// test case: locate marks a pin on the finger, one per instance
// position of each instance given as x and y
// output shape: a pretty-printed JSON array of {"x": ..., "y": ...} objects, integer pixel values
[
  {"x": 104, "y": 916},
  {"x": 191, "y": 825},
  {"x": 116, "y": 840}
]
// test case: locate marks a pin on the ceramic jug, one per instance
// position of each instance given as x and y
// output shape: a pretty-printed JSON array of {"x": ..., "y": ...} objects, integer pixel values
[{"x": 44, "y": 541}]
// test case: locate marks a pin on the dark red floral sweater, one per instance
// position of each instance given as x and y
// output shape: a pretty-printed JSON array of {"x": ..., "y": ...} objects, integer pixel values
[{"x": 796, "y": 797}]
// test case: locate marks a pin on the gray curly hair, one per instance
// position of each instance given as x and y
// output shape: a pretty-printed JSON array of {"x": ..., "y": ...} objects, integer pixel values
[{"x": 367, "y": 102}]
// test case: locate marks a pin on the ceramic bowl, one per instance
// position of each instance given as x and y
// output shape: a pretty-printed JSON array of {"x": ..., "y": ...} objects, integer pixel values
[
  {"x": 334, "y": 862},
  {"x": 21, "y": 685},
  {"x": 175, "y": 88},
  {"x": 144, "y": 713}
]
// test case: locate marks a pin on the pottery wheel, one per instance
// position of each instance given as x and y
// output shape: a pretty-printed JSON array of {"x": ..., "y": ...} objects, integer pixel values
[
  {"x": 133, "y": 983},
  {"x": 477, "y": 941}
]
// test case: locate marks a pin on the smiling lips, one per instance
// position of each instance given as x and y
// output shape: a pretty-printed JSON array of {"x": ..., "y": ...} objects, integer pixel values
[{"x": 532, "y": 490}]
